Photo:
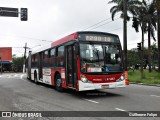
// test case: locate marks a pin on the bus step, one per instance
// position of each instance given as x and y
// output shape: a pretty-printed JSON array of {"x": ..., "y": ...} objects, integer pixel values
[{"x": 71, "y": 88}]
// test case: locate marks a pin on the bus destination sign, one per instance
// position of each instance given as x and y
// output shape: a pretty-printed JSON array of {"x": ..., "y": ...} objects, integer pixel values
[{"x": 102, "y": 38}]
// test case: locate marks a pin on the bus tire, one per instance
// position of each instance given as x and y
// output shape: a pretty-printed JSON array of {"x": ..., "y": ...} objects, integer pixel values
[
  {"x": 58, "y": 83},
  {"x": 35, "y": 78}
]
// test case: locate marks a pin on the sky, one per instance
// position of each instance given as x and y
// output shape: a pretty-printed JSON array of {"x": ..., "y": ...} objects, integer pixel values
[{"x": 50, "y": 20}]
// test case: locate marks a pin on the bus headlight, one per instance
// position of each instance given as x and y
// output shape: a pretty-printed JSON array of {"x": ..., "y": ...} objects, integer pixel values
[
  {"x": 84, "y": 79},
  {"x": 121, "y": 78}
]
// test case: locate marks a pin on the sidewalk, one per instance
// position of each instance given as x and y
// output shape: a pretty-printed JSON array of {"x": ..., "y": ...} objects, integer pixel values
[{"x": 156, "y": 85}]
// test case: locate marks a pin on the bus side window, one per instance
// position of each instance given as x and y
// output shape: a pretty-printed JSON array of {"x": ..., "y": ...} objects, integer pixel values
[
  {"x": 60, "y": 57},
  {"x": 45, "y": 59},
  {"x": 52, "y": 57}
]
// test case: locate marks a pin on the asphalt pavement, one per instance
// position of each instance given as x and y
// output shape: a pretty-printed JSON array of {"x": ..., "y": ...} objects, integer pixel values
[{"x": 17, "y": 93}]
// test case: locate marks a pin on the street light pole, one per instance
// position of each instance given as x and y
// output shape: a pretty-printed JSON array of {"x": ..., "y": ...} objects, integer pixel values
[{"x": 24, "y": 68}]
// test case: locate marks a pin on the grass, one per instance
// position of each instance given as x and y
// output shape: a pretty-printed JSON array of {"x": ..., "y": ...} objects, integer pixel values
[{"x": 149, "y": 78}]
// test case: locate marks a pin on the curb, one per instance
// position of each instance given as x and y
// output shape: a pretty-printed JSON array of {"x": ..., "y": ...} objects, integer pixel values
[{"x": 156, "y": 85}]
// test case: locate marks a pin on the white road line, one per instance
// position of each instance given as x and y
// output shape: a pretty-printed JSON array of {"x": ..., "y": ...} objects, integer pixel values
[
  {"x": 15, "y": 75},
  {"x": 120, "y": 109},
  {"x": 21, "y": 76},
  {"x": 91, "y": 100},
  {"x": 154, "y": 95}
]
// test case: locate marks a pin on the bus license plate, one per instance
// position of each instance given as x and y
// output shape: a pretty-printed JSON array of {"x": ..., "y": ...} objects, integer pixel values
[{"x": 105, "y": 86}]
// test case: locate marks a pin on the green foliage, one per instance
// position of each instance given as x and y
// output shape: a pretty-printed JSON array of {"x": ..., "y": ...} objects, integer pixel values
[
  {"x": 133, "y": 57},
  {"x": 150, "y": 78},
  {"x": 17, "y": 65},
  {"x": 131, "y": 6}
]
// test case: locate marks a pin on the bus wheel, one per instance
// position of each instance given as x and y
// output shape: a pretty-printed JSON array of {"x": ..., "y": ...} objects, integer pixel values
[
  {"x": 35, "y": 78},
  {"x": 58, "y": 83}
]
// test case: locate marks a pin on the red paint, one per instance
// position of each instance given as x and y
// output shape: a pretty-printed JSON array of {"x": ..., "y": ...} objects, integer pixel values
[
  {"x": 6, "y": 53},
  {"x": 103, "y": 78},
  {"x": 65, "y": 39},
  {"x": 59, "y": 70}
]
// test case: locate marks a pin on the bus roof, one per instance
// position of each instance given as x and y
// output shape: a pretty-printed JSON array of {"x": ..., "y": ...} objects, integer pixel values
[
  {"x": 74, "y": 36},
  {"x": 68, "y": 38},
  {"x": 45, "y": 47}
]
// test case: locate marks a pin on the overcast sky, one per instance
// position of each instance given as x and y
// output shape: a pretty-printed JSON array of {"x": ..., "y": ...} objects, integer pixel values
[{"x": 49, "y": 20}]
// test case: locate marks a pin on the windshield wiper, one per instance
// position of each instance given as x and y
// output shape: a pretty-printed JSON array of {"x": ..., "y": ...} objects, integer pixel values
[{"x": 96, "y": 52}]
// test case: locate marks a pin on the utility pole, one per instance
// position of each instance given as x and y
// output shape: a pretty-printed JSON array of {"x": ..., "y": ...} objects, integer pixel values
[
  {"x": 125, "y": 33},
  {"x": 25, "y": 49}
]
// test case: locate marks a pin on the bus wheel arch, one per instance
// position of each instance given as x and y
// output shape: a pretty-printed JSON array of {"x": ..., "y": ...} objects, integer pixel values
[{"x": 58, "y": 82}]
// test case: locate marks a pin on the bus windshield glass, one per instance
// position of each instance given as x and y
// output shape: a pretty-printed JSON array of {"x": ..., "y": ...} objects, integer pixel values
[{"x": 100, "y": 58}]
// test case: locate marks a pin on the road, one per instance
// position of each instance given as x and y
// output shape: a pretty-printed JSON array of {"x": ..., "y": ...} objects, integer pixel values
[{"x": 20, "y": 94}]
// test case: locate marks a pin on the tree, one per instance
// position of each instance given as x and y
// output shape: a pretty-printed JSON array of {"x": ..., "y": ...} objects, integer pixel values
[
  {"x": 145, "y": 18},
  {"x": 139, "y": 21},
  {"x": 132, "y": 5},
  {"x": 17, "y": 65},
  {"x": 158, "y": 32},
  {"x": 124, "y": 6},
  {"x": 151, "y": 19}
]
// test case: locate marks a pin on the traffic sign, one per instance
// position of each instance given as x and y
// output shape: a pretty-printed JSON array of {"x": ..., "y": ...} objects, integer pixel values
[{"x": 8, "y": 12}]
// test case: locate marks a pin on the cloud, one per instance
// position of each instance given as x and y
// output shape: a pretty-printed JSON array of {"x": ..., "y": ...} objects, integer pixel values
[{"x": 53, "y": 19}]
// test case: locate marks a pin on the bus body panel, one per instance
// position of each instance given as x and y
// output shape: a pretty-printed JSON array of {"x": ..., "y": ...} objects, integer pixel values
[
  {"x": 103, "y": 78},
  {"x": 95, "y": 86},
  {"x": 60, "y": 71},
  {"x": 47, "y": 76}
]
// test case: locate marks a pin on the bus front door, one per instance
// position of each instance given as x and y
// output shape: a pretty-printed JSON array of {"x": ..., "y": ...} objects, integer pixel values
[{"x": 71, "y": 72}]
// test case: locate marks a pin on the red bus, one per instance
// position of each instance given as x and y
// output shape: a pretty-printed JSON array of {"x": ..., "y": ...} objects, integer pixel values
[{"x": 80, "y": 61}]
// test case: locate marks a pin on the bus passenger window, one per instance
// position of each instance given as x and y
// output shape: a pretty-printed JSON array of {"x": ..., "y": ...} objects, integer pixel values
[{"x": 60, "y": 57}]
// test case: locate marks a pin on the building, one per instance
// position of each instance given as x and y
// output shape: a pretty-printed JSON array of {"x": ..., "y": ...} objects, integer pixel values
[{"x": 5, "y": 58}]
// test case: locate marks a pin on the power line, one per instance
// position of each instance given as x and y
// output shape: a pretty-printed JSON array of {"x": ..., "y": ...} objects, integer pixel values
[
  {"x": 99, "y": 22},
  {"x": 96, "y": 24},
  {"x": 119, "y": 28},
  {"x": 104, "y": 24},
  {"x": 23, "y": 37}
]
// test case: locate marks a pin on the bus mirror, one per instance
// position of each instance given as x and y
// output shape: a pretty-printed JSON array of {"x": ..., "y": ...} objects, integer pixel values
[{"x": 76, "y": 48}]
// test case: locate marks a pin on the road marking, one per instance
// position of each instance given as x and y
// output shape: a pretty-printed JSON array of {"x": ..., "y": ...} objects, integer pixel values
[
  {"x": 22, "y": 76},
  {"x": 15, "y": 75},
  {"x": 91, "y": 100},
  {"x": 155, "y": 95},
  {"x": 120, "y": 109}
]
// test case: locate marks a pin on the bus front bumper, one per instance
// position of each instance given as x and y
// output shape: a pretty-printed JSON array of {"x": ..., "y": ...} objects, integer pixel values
[{"x": 95, "y": 86}]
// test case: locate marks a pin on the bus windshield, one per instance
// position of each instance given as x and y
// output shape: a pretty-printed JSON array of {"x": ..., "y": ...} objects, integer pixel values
[{"x": 100, "y": 58}]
